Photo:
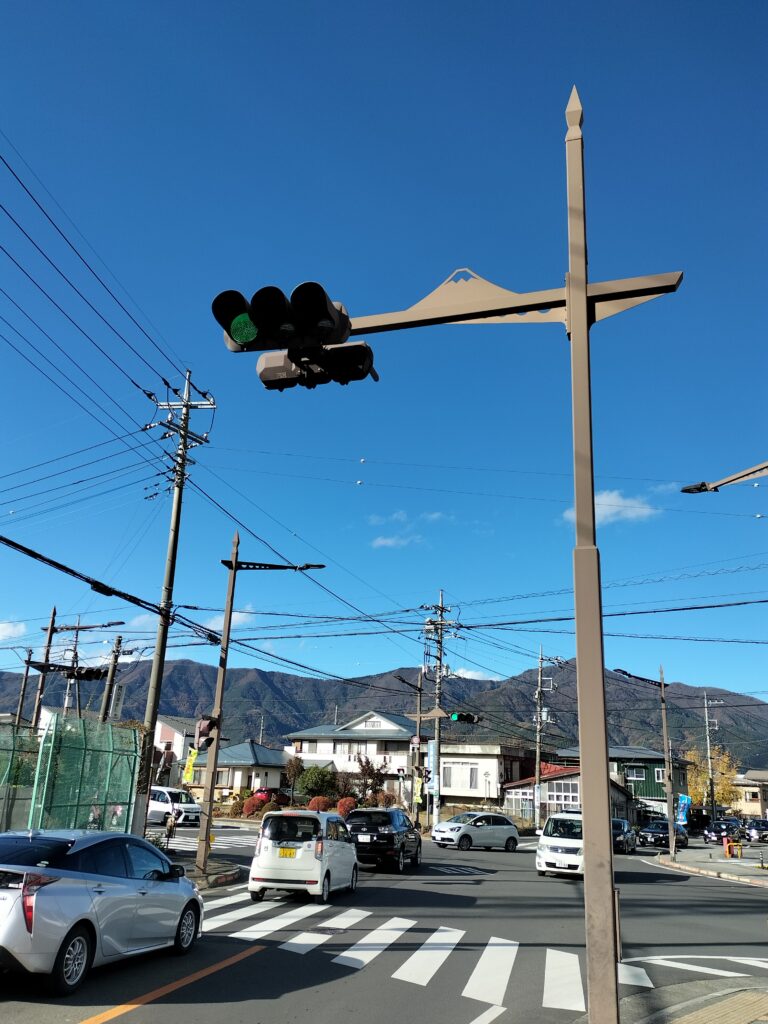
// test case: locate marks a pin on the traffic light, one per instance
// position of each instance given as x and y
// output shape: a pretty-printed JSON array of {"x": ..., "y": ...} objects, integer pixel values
[
  {"x": 426, "y": 775},
  {"x": 465, "y": 716},
  {"x": 352, "y": 360},
  {"x": 270, "y": 320},
  {"x": 204, "y": 732}
]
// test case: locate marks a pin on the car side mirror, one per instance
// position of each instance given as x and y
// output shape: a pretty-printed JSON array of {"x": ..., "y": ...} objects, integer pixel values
[
  {"x": 539, "y": 831},
  {"x": 177, "y": 871}
]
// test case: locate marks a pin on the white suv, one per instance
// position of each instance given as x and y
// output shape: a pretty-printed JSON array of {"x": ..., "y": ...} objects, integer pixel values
[
  {"x": 309, "y": 851},
  {"x": 561, "y": 847},
  {"x": 166, "y": 802}
]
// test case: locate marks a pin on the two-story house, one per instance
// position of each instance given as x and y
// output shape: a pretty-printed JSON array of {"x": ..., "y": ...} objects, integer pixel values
[
  {"x": 247, "y": 765},
  {"x": 476, "y": 773},
  {"x": 752, "y": 786}
]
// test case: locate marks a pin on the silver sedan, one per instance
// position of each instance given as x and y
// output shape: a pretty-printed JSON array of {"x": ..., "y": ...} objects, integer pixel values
[
  {"x": 72, "y": 900},
  {"x": 477, "y": 829}
]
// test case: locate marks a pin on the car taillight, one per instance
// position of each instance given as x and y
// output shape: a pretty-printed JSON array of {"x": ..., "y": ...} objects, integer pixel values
[
  {"x": 32, "y": 883},
  {"x": 319, "y": 848}
]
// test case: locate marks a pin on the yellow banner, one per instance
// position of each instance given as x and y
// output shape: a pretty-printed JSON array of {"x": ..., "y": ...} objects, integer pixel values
[{"x": 189, "y": 766}]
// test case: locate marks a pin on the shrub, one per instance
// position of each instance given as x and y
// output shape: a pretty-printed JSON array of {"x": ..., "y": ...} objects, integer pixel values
[
  {"x": 385, "y": 799},
  {"x": 252, "y": 806},
  {"x": 236, "y": 809},
  {"x": 273, "y": 805},
  {"x": 372, "y": 800},
  {"x": 345, "y": 805},
  {"x": 319, "y": 803}
]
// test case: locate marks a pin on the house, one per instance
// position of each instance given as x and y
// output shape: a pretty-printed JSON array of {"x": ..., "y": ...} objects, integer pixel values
[
  {"x": 241, "y": 766},
  {"x": 476, "y": 773},
  {"x": 561, "y": 791},
  {"x": 640, "y": 770},
  {"x": 753, "y": 794},
  {"x": 382, "y": 737}
]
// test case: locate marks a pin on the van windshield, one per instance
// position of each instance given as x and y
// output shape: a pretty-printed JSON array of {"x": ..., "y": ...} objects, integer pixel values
[
  {"x": 563, "y": 828},
  {"x": 293, "y": 826}
]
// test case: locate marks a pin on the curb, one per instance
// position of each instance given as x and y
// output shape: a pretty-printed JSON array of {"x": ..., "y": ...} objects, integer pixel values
[{"x": 729, "y": 876}]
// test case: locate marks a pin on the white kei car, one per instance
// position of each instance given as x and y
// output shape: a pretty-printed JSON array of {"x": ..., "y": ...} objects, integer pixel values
[{"x": 561, "y": 846}]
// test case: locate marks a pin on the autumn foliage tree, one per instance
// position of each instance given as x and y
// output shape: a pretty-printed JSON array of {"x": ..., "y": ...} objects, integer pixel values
[{"x": 724, "y": 768}]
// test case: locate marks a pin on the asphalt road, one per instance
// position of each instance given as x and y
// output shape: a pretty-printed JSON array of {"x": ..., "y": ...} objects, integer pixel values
[{"x": 466, "y": 939}]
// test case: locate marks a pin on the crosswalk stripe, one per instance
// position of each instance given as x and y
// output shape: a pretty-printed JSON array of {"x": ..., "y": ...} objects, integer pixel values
[
  {"x": 311, "y": 940},
  {"x": 251, "y": 910},
  {"x": 488, "y": 981},
  {"x": 631, "y": 975},
  {"x": 563, "y": 989},
  {"x": 749, "y": 961},
  {"x": 223, "y": 901},
  {"x": 276, "y": 924},
  {"x": 661, "y": 962},
  {"x": 374, "y": 943},
  {"x": 488, "y": 1015},
  {"x": 420, "y": 968}
]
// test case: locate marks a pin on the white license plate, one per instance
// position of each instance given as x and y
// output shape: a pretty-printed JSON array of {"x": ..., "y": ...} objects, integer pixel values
[
  {"x": 561, "y": 862},
  {"x": 364, "y": 839}
]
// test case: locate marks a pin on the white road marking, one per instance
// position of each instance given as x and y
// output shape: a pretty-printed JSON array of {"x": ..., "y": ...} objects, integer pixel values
[
  {"x": 631, "y": 975},
  {"x": 563, "y": 989},
  {"x": 488, "y": 981},
  {"x": 749, "y": 961},
  {"x": 662, "y": 962},
  {"x": 252, "y": 910},
  {"x": 488, "y": 1015},
  {"x": 374, "y": 943},
  {"x": 311, "y": 940},
  {"x": 223, "y": 901},
  {"x": 421, "y": 967},
  {"x": 276, "y": 924}
]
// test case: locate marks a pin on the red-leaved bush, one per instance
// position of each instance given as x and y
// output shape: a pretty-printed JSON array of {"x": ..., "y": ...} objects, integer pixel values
[
  {"x": 345, "y": 805},
  {"x": 319, "y": 803},
  {"x": 252, "y": 806},
  {"x": 386, "y": 799}
]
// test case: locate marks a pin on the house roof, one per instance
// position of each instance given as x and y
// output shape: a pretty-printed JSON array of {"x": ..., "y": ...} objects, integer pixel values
[
  {"x": 620, "y": 754},
  {"x": 248, "y": 753},
  {"x": 559, "y": 773},
  {"x": 403, "y": 729},
  {"x": 178, "y": 723}
]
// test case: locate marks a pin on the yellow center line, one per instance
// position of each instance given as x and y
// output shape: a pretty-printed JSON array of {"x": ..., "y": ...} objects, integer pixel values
[{"x": 164, "y": 990}]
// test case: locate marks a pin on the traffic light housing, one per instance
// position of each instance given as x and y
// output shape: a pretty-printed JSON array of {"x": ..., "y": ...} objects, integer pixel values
[
  {"x": 465, "y": 716},
  {"x": 270, "y": 320},
  {"x": 204, "y": 729},
  {"x": 352, "y": 360},
  {"x": 426, "y": 775}
]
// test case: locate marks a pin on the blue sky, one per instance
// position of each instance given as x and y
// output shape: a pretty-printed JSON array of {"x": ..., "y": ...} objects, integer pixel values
[{"x": 189, "y": 148}]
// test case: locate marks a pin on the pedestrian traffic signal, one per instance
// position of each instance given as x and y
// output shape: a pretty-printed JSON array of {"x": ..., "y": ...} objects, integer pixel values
[
  {"x": 352, "y": 360},
  {"x": 465, "y": 716},
  {"x": 270, "y": 320},
  {"x": 204, "y": 729},
  {"x": 426, "y": 775}
]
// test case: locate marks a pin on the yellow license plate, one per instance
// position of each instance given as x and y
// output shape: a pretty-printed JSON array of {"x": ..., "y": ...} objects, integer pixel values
[{"x": 286, "y": 851}]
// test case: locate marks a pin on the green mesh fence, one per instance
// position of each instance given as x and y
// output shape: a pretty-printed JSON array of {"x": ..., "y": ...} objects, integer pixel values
[{"x": 79, "y": 774}]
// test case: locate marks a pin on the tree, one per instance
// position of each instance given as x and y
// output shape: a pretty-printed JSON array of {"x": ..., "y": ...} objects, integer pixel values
[
  {"x": 369, "y": 776},
  {"x": 724, "y": 768},
  {"x": 318, "y": 781},
  {"x": 293, "y": 772},
  {"x": 345, "y": 784}
]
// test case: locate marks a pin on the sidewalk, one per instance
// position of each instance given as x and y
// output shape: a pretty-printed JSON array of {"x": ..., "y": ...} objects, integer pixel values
[{"x": 711, "y": 860}]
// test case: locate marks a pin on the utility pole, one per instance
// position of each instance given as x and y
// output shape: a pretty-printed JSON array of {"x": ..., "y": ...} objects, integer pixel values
[
  {"x": 110, "y": 684},
  {"x": 23, "y": 691},
  {"x": 41, "y": 677},
  {"x": 710, "y": 725},
  {"x": 261, "y": 730},
  {"x": 540, "y": 720},
  {"x": 186, "y": 441},
  {"x": 436, "y": 627},
  {"x": 73, "y": 678},
  {"x": 667, "y": 768}
]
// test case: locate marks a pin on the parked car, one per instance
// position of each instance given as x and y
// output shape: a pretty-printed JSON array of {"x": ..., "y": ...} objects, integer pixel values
[
  {"x": 624, "y": 838},
  {"x": 757, "y": 830},
  {"x": 268, "y": 793},
  {"x": 656, "y": 833},
  {"x": 717, "y": 830},
  {"x": 477, "y": 829},
  {"x": 385, "y": 835},
  {"x": 305, "y": 851},
  {"x": 561, "y": 849},
  {"x": 72, "y": 900},
  {"x": 166, "y": 802}
]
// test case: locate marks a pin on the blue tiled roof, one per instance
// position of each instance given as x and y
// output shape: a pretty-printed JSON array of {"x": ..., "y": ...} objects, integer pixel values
[{"x": 248, "y": 753}]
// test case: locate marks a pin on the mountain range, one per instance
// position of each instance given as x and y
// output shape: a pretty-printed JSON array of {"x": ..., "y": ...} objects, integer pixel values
[{"x": 289, "y": 703}]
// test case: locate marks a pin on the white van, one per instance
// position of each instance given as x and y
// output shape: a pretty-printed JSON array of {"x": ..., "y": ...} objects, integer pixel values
[
  {"x": 166, "y": 802},
  {"x": 309, "y": 851},
  {"x": 561, "y": 847}
]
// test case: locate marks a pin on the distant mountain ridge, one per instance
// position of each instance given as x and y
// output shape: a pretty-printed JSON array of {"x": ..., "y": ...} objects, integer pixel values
[{"x": 290, "y": 703}]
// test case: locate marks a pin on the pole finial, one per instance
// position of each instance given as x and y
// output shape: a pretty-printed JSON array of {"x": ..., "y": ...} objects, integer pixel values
[{"x": 574, "y": 112}]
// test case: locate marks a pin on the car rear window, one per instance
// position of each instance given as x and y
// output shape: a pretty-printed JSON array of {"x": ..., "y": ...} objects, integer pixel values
[
  {"x": 40, "y": 852},
  {"x": 290, "y": 826},
  {"x": 375, "y": 818},
  {"x": 563, "y": 828}
]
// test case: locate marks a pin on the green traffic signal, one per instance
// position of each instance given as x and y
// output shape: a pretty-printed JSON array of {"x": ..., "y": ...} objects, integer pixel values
[{"x": 242, "y": 329}]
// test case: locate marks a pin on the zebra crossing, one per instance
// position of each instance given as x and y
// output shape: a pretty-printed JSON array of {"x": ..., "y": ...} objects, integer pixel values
[
  {"x": 185, "y": 840},
  {"x": 492, "y": 978}
]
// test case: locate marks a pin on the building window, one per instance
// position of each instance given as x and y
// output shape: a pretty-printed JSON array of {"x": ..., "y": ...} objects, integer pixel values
[
  {"x": 311, "y": 747},
  {"x": 372, "y": 723},
  {"x": 660, "y": 775},
  {"x": 473, "y": 776},
  {"x": 340, "y": 747},
  {"x": 447, "y": 775},
  {"x": 636, "y": 774},
  {"x": 752, "y": 795},
  {"x": 563, "y": 793}
]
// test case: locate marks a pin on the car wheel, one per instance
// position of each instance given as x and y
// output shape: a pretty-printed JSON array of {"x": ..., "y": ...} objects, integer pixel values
[
  {"x": 465, "y": 843},
  {"x": 325, "y": 893},
  {"x": 416, "y": 858},
  {"x": 186, "y": 932},
  {"x": 257, "y": 895},
  {"x": 72, "y": 961},
  {"x": 541, "y": 873},
  {"x": 441, "y": 845},
  {"x": 706, "y": 839},
  {"x": 511, "y": 845},
  {"x": 400, "y": 862},
  {"x": 353, "y": 880}
]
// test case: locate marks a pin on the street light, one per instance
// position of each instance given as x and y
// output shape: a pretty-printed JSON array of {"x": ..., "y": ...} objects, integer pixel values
[{"x": 206, "y": 813}]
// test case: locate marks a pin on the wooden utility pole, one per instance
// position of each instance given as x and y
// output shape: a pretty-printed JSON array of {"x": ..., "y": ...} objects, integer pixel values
[
  {"x": 41, "y": 677},
  {"x": 667, "y": 767},
  {"x": 23, "y": 691},
  {"x": 109, "y": 688}
]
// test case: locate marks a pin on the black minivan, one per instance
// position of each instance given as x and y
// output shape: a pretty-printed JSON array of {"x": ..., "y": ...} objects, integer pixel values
[{"x": 385, "y": 835}]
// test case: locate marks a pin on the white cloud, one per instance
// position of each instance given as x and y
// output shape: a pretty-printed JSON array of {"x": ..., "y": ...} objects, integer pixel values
[
  {"x": 612, "y": 507},
  {"x": 471, "y": 673},
  {"x": 433, "y": 517},
  {"x": 10, "y": 630},
  {"x": 672, "y": 487},
  {"x": 396, "y": 517},
  {"x": 143, "y": 621},
  {"x": 397, "y": 541},
  {"x": 242, "y": 618}
]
